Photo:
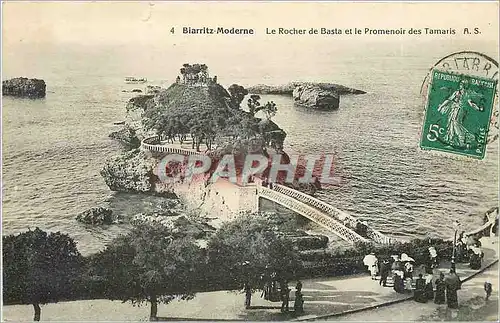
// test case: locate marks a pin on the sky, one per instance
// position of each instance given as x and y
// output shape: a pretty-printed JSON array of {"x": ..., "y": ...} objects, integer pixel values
[{"x": 93, "y": 23}]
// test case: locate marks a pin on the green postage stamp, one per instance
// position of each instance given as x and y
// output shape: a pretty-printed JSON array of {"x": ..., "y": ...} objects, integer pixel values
[{"x": 458, "y": 113}]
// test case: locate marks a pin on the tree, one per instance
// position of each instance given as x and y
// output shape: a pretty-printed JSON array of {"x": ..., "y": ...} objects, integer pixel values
[
  {"x": 269, "y": 109},
  {"x": 253, "y": 103},
  {"x": 151, "y": 264},
  {"x": 39, "y": 267},
  {"x": 241, "y": 251},
  {"x": 237, "y": 93}
]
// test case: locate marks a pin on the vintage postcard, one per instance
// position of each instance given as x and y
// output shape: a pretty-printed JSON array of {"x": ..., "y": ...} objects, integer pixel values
[{"x": 250, "y": 161}]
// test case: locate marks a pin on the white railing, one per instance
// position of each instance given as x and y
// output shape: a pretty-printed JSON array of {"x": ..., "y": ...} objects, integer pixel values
[
  {"x": 311, "y": 213},
  {"x": 146, "y": 145},
  {"x": 490, "y": 222},
  {"x": 341, "y": 216}
]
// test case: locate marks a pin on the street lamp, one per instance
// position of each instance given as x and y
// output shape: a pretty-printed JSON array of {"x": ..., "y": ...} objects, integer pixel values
[{"x": 456, "y": 226}]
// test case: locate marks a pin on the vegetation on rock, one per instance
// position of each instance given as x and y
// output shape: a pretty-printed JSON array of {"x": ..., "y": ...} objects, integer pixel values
[{"x": 127, "y": 137}]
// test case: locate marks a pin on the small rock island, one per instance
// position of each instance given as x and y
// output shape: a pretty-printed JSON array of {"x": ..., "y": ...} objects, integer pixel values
[
  {"x": 321, "y": 96},
  {"x": 24, "y": 87}
]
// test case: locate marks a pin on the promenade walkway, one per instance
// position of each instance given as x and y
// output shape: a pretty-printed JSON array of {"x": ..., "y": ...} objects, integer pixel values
[{"x": 325, "y": 299}]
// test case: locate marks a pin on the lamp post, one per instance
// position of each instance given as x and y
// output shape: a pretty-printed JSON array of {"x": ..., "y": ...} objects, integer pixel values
[{"x": 456, "y": 226}]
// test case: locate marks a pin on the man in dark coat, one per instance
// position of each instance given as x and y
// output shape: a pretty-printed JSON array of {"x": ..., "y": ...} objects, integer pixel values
[
  {"x": 453, "y": 284},
  {"x": 384, "y": 272},
  {"x": 285, "y": 296},
  {"x": 440, "y": 290},
  {"x": 419, "y": 293}
]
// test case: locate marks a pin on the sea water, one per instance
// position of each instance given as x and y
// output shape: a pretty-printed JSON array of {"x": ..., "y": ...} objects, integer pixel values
[{"x": 54, "y": 148}]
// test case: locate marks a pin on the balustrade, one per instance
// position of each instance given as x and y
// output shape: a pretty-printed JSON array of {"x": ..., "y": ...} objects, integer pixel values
[
  {"x": 336, "y": 214},
  {"x": 311, "y": 213}
]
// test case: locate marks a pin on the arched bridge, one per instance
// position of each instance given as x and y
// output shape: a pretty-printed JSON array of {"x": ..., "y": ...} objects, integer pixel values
[{"x": 332, "y": 219}]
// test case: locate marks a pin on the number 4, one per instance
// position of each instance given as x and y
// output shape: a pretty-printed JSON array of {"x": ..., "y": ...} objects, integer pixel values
[{"x": 172, "y": 30}]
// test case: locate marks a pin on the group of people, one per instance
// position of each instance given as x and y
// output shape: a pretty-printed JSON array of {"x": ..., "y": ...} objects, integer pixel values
[
  {"x": 401, "y": 268},
  {"x": 443, "y": 290},
  {"x": 468, "y": 249},
  {"x": 298, "y": 304},
  {"x": 275, "y": 290}
]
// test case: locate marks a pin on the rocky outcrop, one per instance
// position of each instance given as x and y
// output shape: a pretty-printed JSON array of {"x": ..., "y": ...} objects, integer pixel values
[
  {"x": 97, "y": 216},
  {"x": 127, "y": 137},
  {"x": 314, "y": 97},
  {"x": 131, "y": 171},
  {"x": 139, "y": 102},
  {"x": 24, "y": 87},
  {"x": 287, "y": 89},
  {"x": 153, "y": 89}
]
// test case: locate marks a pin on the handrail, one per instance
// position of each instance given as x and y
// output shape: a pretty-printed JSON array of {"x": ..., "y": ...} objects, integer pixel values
[
  {"x": 311, "y": 213},
  {"x": 339, "y": 215},
  {"x": 490, "y": 222},
  {"x": 165, "y": 149}
]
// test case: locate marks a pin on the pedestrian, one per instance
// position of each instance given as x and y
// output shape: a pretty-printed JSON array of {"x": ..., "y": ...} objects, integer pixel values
[
  {"x": 398, "y": 281},
  {"x": 476, "y": 258},
  {"x": 371, "y": 262},
  {"x": 298, "y": 305},
  {"x": 440, "y": 296},
  {"x": 429, "y": 289},
  {"x": 384, "y": 272},
  {"x": 488, "y": 289},
  {"x": 408, "y": 281},
  {"x": 452, "y": 285},
  {"x": 396, "y": 265},
  {"x": 408, "y": 270},
  {"x": 299, "y": 285},
  {"x": 248, "y": 295},
  {"x": 433, "y": 257},
  {"x": 285, "y": 296},
  {"x": 419, "y": 294}
]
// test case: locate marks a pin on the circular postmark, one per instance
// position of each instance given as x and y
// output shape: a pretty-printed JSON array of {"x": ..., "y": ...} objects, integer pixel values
[{"x": 460, "y": 92}]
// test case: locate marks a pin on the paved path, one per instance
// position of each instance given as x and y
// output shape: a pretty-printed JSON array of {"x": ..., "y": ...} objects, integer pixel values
[
  {"x": 325, "y": 298},
  {"x": 472, "y": 306}
]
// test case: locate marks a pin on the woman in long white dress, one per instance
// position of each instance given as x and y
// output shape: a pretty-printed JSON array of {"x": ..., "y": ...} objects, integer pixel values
[{"x": 371, "y": 262}]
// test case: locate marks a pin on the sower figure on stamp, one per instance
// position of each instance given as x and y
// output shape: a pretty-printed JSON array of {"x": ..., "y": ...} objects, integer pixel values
[{"x": 453, "y": 108}]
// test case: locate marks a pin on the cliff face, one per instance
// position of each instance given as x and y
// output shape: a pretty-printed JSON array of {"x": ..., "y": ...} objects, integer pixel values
[
  {"x": 315, "y": 97},
  {"x": 129, "y": 172},
  {"x": 24, "y": 87}
]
